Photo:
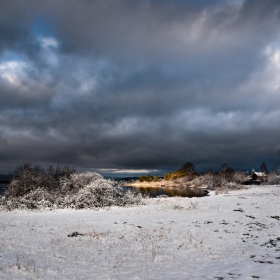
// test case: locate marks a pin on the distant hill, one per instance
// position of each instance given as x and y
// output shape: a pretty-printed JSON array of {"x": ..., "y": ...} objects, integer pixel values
[
  {"x": 126, "y": 178},
  {"x": 5, "y": 178}
]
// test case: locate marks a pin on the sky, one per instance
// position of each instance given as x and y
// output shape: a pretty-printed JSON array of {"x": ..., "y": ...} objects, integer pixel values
[{"x": 131, "y": 87}]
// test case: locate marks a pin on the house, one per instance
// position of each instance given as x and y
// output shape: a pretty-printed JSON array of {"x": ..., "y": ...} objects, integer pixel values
[{"x": 259, "y": 176}]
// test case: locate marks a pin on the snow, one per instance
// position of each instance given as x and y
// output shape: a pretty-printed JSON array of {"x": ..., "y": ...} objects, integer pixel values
[{"x": 225, "y": 236}]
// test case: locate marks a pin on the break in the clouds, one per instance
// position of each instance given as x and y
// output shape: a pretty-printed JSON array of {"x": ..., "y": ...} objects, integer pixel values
[{"x": 139, "y": 85}]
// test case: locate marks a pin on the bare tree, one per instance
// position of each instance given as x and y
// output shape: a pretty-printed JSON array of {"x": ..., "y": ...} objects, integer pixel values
[
  {"x": 264, "y": 168},
  {"x": 226, "y": 172},
  {"x": 188, "y": 167}
]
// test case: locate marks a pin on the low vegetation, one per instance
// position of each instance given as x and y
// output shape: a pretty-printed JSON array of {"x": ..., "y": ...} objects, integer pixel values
[
  {"x": 148, "y": 178},
  {"x": 223, "y": 180},
  {"x": 273, "y": 178},
  {"x": 180, "y": 174},
  {"x": 216, "y": 181},
  {"x": 34, "y": 187}
]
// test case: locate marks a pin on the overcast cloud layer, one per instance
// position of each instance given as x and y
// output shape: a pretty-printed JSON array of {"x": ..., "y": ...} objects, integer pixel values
[{"x": 119, "y": 86}]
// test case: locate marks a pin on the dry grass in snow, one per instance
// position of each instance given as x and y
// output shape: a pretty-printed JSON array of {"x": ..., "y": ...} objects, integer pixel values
[{"x": 226, "y": 236}]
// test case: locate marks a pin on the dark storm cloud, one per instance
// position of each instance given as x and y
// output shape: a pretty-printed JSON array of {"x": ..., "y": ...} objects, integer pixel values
[{"x": 139, "y": 84}]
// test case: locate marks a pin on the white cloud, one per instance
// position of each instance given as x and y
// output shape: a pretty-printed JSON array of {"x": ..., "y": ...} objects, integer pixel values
[
  {"x": 128, "y": 171},
  {"x": 48, "y": 42},
  {"x": 11, "y": 71}
]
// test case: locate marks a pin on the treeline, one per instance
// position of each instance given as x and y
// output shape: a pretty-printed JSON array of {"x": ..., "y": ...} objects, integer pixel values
[
  {"x": 224, "y": 176},
  {"x": 188, "y": 169},
  {"x": 224, "y": 173}
]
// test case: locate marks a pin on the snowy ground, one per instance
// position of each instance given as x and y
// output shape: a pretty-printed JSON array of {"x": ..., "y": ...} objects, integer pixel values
[{"x": 233, "y": 236}]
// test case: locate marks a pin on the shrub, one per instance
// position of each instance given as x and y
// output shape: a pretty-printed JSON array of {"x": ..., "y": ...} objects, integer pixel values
[
  {"x": 175, "y": 175},
  {"x": 155, "y": 178},
  {"x": 273, "y": 179},
  {"x": 76, "y": 182},
  {"x": 167, "y": 177},
  {"x": 28, "y": 178},
  {"x": 221, "y": 181},
  {"x": 178, "y": 174},
  {"x": 86, "y": 190},
  {"x": 239, "y": 177},
  {"x": 147, "y": 178}
]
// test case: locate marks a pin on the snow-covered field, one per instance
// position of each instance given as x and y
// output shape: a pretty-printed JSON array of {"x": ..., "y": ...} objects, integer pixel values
[{"x": 232, "y": 236}]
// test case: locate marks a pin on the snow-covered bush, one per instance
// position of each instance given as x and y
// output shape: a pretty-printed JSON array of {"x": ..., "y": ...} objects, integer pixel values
[
  {"x": 239, "y": 177},
  {"x": 28, "y": 177},
  {"x": 77, "y": 181},
  {"x": 35, "y": 199},
  {"x": 215, "y": 181},
  {"x": 87, "y": 190},
  {"x": 100, "y": 192},
  {"x": 273, "y": 179},
  {"x": 218, "y": 182},
  {"x": 229, "y": 186}
]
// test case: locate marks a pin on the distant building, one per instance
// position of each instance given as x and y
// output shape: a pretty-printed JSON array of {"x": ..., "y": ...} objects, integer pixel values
[{"x": 259, "y": 176}]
